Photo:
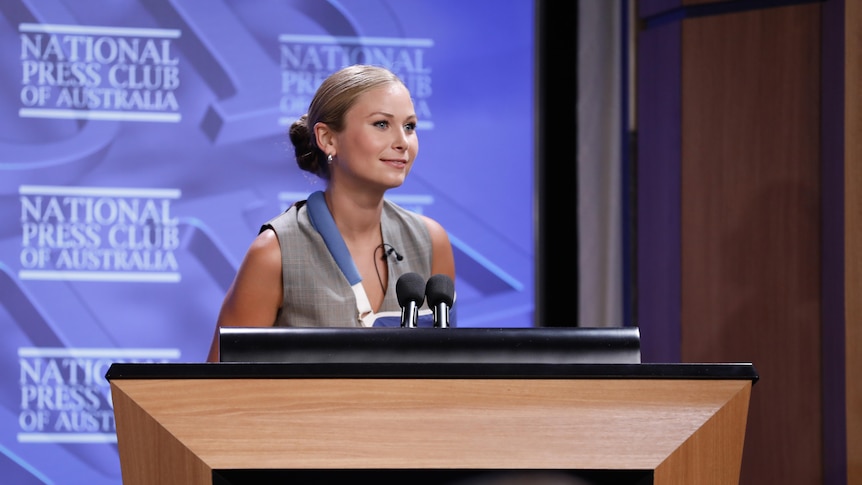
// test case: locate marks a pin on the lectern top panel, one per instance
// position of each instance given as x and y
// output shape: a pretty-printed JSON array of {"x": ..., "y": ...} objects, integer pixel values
[{"x": 545, "y": 345}]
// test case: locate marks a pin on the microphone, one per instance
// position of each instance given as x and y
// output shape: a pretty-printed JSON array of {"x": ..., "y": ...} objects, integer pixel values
[
  {"x": 410, "y": 289},
  {"x": 389, "y": 250},
  {"x": 440, "y": 292}
]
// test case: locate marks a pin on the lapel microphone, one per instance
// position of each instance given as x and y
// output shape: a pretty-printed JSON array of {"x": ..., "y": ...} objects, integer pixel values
[{"x": 389, "y": 250}]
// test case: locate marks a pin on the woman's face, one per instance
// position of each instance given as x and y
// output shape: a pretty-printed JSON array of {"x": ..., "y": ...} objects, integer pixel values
[{"x": 379, "y": 142}]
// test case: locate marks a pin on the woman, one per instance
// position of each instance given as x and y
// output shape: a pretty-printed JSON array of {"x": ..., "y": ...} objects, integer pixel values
[{"x": 333, "y": 259}]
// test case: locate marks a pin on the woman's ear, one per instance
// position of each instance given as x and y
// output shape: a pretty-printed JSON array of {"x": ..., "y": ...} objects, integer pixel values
[{"x": 325, "y": 137}]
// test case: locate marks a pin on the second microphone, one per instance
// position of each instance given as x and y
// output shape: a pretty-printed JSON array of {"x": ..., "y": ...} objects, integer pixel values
[{"x": 412, "y": 290}]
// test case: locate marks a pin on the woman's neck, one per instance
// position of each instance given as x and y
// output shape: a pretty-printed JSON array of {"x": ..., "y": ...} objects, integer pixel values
[{"x": 357, "y": 217}]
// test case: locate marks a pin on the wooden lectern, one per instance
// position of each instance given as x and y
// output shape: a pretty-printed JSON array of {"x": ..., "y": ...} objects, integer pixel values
[{"x": 230, "y": 423}]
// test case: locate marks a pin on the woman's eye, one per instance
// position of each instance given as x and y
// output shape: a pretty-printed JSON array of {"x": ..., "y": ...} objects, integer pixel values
[
  {"x": 381, "y": 124},
  {"x": 410, "y": 126}
]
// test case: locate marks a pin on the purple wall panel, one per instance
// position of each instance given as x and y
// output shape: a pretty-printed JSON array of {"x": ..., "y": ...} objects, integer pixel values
[{"x": 658, "y": 199}]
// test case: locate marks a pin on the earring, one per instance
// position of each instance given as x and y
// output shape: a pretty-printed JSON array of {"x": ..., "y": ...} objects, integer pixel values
[{"x": 329, "y": 158}]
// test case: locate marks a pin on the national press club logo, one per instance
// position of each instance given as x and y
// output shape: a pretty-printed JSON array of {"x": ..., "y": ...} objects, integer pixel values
[
  {"x": 64, "y": 395},
  {"x": 115, "y": 234},
  {"x": 306, "y": 60},
  {"x": 98, "y": 73}
]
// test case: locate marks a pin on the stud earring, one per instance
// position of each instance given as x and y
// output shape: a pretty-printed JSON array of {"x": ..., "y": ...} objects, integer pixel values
[{"x": 329, "y": 158}]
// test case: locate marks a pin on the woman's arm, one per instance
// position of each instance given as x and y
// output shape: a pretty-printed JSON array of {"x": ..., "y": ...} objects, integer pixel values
[
  {"x": 442, "y": 259},
  {"x": 255, "y": 295}
]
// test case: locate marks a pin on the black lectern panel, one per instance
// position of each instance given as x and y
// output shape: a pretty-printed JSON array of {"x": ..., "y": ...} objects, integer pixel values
[
  {"x": 545, "y": 345},
  {"x": 437, "y": 477}
]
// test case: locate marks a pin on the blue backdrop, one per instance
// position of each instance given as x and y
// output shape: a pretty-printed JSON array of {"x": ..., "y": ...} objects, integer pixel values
[{"x": 143, "y": 143}]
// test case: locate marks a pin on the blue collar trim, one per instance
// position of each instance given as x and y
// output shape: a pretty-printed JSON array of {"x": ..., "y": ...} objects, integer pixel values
[{"x": 322, "y": 220}]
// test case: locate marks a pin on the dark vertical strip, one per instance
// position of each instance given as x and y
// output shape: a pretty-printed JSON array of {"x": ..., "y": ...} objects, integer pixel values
[
  {"x": 628, "y": 178},
  {"x": 658, "y": 194},
  {"x": 833, "y": 335},
  {"x": 556, "y": 196}
]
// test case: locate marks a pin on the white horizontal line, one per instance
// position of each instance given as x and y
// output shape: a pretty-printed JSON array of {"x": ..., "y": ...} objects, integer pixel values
[
  {"x": 422, "y": 125},
  {"x": 81, "y": 114},
  {"x": 67, "y": 438},
  {"x": 98, "y": 191},
  {"x": 411, "y": 199},
  {"x": 124, "y": 276},
  {"x": 400, "y": 199},
  {"x": 52, "y": 352},
  {"x": 98, "y": 30},
  {"x": 330, "y": 39}
]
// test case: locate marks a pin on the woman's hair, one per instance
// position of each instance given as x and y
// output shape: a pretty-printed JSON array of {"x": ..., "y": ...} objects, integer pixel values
[{"x": 335, "y": 96}]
